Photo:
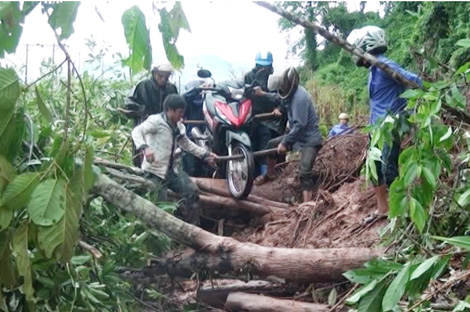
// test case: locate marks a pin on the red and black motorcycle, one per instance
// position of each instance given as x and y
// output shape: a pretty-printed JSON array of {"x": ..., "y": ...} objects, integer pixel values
[{"x": 227, "y": 111}]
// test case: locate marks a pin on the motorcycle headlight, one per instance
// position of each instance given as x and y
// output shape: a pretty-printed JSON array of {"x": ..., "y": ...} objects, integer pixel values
[{"x": 236, "y": 94}]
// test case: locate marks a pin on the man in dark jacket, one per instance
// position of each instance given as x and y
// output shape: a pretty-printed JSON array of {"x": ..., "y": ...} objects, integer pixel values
[
  {"x": 147, "y": 99},
  {"x": 304, "y": 133},
  {"x": 264, "y": 102}
]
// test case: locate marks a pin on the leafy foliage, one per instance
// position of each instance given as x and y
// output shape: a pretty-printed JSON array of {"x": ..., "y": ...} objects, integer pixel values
[
  {"x": 63, "y": 15},
  {"x": 138, "y": 39},
  {"x": 45, "y": 177},
  {"x": 170, "y": 25}
]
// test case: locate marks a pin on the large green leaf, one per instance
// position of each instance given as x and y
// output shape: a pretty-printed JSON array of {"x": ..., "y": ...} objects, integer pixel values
[
  {"x": 65, "y": 233},
  {"x": 21, "y": 254},
  {"x": 47, "y": 205},
  {"x": 424, "y": 267},
  {"x": 138, "y": 40},
  {"x": 10, "y": 28},
  {"x": 372, "y": 301},
  {"x": 42, "y": 107},
  {"x": 75, "y": 199},
  {"x": 170, "y": 24},
  {"x": 7, "y": 173},
  {"x": 418, "y": 215},
  {"x": 63, "y": 16},
  {"x": 6, "y": 214},
  {"x": 464, "y": 43},
  {"x": 9, "y": 90},
  {"x": 18, "y": 192},
  {"x": 396, "y": 290},
  {"x": 459, "y": 241}
]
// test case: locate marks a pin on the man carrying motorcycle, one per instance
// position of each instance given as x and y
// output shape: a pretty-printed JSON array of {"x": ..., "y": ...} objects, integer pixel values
[
  {"x": 304, "y": 133},
  {"x": 264, "y": 102},
  {"x": 147, "y": 98},
  {"x": 157, "y": 138}
]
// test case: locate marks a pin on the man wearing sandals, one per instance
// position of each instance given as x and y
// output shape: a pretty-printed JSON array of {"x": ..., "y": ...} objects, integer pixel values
[
  {"x": 384, "y": 98},
  {"x": 303, "y": 133}
]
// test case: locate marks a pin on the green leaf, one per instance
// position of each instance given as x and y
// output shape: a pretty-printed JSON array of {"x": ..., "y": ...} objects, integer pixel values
[
  {"x": 372, "y": 301},
  {"x": 170, "y": 25},
  {"x": 462, "y": 69},
  {"x": 423, "y": 267},
  {"x": 18, "y": 192},
  {"x": 70, "y": 222},
  {"x": 80, "y": 260},
  {"x": 440, "y": 267},
  {"x": 410, "y": 174},
  {"x": 23, "y": 265},
  {"x": 418, "y": 214},
  {"x": 464, "y": 199},
  {"x": 88, "y": 167},
  {"x": 9, "y": 90},
  {"x": 361, "y": 292},
  {"x": 47, "y": 205},
  {"x": 65, "y": 233},
  {"x": 7, "y": 172},
  {"x": 457, "y": 97},
  {"x": 6, "y": 214},
  {"x": 429, "y": 176},
  {"x": 63, "y": 17},
  {"x": 396, "y": 289},
  {"x": 464, "y": 43},
  {"x": 12, "y": 17},
  {"x": 138, "y": 40},
  {"x": 459, "y": 241},
  {"x": 42, "y": 107}
]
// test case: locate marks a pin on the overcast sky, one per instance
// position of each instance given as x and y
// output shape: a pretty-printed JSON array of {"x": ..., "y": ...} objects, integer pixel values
[{"x": 232, "y": 30}]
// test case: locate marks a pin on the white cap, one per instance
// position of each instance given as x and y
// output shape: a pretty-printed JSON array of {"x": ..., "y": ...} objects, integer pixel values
[{"x": 166, "y": 67}]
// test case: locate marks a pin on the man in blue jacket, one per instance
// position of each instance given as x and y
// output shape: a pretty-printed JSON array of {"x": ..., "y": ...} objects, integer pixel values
[
  {"x": 342, "y": 127},
  {"x": 304, "y": 133},
  {"x": 384, "y": 99}
]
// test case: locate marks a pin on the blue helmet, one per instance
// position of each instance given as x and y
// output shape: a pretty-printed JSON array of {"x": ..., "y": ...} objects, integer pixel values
[{"x": 264, "y": 58}]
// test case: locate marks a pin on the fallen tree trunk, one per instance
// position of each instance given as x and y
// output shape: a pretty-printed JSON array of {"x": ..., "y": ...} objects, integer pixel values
[
  {"x": 290, "y": 264},
  {"x": 215, "y": 292},
  {"x": 218, "y": 187},
  {"x": 249, "y": 207},
  {"x": 239, "y": 301},
  {"x": 280, "y": 264}
]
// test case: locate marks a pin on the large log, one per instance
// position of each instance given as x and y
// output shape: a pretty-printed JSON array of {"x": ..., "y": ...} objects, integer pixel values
[
  {"x": 290, "y": 264},
  {"x": 239, "y": 301},
  {"x": 219, "y": 187},
  {"x": 215, "y": 292}
]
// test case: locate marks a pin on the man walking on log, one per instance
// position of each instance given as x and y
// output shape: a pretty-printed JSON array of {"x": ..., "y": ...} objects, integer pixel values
[
  {"x": 384, "y": 92},
  {"x": 157, "y": 138},
  {"x": 304, "y": 133}
]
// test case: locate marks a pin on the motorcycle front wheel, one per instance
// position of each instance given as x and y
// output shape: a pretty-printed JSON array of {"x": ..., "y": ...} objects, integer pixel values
[{"x": 240, "y": 172}]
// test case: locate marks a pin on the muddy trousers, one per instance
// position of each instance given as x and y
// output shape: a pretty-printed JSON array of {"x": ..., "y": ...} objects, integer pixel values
[
  {"x": 308, "y": 154},
  {"x": 180, "y": 183}
]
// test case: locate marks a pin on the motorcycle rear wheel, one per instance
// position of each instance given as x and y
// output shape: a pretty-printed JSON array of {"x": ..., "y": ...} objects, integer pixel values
[{"x": 240, "y": 172}]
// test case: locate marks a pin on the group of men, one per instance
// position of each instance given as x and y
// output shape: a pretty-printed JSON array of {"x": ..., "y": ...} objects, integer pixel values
[{"x": 159, "y": 131}]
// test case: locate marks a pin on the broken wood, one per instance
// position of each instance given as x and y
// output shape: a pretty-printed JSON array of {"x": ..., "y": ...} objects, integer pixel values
[
  {"x": 239, "y": 301},
  {"x": 230, "y": 203},
  {"x": 219, "y": 187},
  {"x": 215, "y": 292},
  {"x": 290, "y": 264}
]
